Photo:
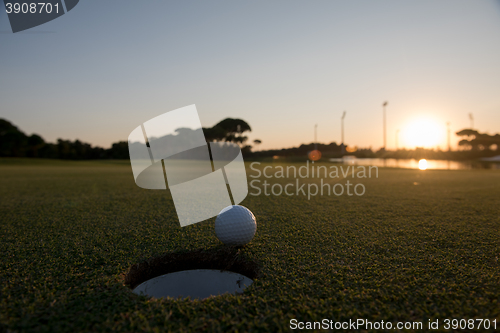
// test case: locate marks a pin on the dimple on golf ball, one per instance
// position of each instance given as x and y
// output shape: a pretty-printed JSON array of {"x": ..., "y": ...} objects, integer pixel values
[{"x": 235, "y": 225}]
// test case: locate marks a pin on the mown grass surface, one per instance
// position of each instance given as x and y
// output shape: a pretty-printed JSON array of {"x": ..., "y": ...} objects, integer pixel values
[{"x": 417, "y": 246}]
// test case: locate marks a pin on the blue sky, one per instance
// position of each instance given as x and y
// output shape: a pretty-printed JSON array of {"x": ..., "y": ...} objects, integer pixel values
[{"x": 97, "y": 72}]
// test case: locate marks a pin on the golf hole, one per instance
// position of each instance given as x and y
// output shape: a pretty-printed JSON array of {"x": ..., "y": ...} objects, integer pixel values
[{"x": 197, "y": 274}]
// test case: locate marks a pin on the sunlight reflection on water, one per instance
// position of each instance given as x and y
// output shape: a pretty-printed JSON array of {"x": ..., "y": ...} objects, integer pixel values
[{"x": 414, "y": 164}]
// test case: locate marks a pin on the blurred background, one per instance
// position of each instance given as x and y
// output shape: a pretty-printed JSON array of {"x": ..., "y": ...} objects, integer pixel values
[{"x": 284, "y": 67}]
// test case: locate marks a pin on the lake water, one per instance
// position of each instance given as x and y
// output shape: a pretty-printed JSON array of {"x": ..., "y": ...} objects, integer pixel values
[{"x": 414, "y": 164}]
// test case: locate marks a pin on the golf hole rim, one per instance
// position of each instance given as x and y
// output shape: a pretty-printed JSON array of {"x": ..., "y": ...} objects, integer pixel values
[{"x": 230, "y": 259}]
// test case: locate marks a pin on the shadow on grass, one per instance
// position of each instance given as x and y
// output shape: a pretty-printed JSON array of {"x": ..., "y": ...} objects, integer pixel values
[{"x": 221, "y": 258}]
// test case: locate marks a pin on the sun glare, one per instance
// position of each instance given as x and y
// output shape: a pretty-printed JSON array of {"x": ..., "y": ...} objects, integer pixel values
[
  {"x": 422, "y": 164},
  {"x": 423, "y": 132}
]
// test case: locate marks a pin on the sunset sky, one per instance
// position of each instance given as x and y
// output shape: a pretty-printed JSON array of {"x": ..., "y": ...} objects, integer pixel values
[{"x": 102, "y": 69}]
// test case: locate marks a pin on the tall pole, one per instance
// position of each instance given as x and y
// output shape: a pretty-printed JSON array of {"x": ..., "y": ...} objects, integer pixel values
[
  {"x": 397, "y": 137},
  {"x": 315, "y": 137},
  {"x": 385, "y": 126},
  {"x": 342, "y": 131},
  {"x": 471, "y": 117},
  {"x": 449, "y": 145}
]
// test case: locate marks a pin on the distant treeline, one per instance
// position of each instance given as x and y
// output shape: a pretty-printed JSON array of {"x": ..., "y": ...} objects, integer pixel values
[
  {"x": 437, "y": 154},
  {"x": 15, "y": 143},
  {"x": 333, "y": 150},
  {"x": 328, "y": 150},
  {"x": 476, "y": 145}
]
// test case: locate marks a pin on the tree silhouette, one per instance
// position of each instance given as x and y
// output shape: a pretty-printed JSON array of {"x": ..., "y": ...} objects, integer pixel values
[
  {"x": 228, "y": 130},
  {"x": 35, "y": 144},
  {"x": 478, "y": 141},
  {"x": 13, "y": 142}
]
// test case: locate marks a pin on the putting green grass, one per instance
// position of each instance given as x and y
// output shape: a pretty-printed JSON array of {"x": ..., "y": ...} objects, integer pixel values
[{"x": 418, "y": 245}]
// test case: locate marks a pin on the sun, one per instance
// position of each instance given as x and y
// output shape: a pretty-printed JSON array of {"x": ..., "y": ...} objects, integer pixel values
[{"x": 423, "y": 132}]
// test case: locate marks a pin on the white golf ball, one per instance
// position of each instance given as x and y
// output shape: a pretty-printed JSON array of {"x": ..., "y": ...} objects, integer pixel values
[{"x": 235, "y": 225}]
